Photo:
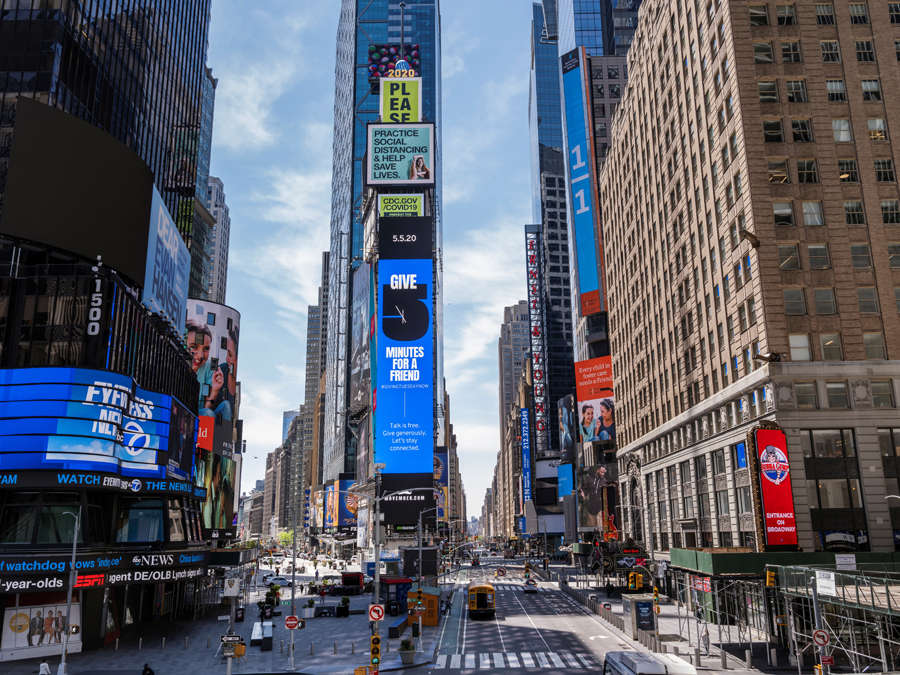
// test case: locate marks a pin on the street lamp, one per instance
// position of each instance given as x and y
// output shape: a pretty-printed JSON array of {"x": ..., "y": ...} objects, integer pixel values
[
  {"x": 62, "y": 663},
  {"x": 420, "y": 533}
]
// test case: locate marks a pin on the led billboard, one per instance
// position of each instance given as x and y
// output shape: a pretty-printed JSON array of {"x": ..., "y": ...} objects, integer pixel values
[
  {"x": 404, "y": 408},
  {"x": 400, "y": 99},
  {"x": 568, "y": 429},
  {"x": 331, "y": 505},
  {"x": 597, "y": 492},
  {"x": 392, "y": 204},
  {"x": 775, "y": 488},
  {"x": 442, "y": 482},
  {"x": 583, "y": 199},
  {"x": 213, "y": 336},
  {"x": 526, "y": 452},
  {"x": 168, "y": 265},
  {"x": 348, "y": 505},
  {"x": 405, "y": 238},
  {"x": 596, "y": 402},
  {"x": 360, "y": 387},
  {"x": 400, "y": 154},
  {"x": 218, "y": 508},
  {"x": 410, "y": 494},
  {"x": 89, "y": 420},
  {"x": 537, "y": 336}
]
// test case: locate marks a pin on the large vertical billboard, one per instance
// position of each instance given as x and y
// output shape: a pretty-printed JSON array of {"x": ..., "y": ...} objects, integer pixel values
[
  {"x": 219, "y": 481},
  {"x": 442, "y": 482},
  {"x": 537, "y": 336},
  {"x": 596, "y": 402},
  {"x": 359, "y": 340},
  {"x": 568, "y": 429},
  {"x": 400, "y": 99},
  {"x": 213, "y": 336},
  {"x": 582, "y": 174},
  {"x": 525, "y": 431},
  {"x": 168, "y": 265},
  {"x": 348, "y": 505},
  {"x": 597, "y": 491},
  {"x": 777, "y": 495},
  {"x": 400, "y": 154}
]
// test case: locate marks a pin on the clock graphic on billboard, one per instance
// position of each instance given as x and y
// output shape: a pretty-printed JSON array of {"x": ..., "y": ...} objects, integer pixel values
[{"x": 406, "y": 317}]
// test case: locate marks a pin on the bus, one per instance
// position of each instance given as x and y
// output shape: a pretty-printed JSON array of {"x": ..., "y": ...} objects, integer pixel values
[{"x": 481, "y": 600}]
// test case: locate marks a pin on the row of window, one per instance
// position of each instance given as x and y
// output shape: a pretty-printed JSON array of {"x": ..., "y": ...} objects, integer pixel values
[
  {"x": 819, "y": 258},
  {"x": 786, "y": 15},
  {"x": 802, "y": 130},
  {"x": 847, "y": 169},
  {"x": 791, "y": 52},
  {"x": 837, "y": 394},
  {"x": 796, "y": 91},
  {"x": 825, "y": 303},
  {"x": 813, "y": 216}
]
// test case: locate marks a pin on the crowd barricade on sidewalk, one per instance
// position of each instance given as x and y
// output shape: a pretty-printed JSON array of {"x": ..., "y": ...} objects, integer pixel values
[{"x": 592, "y": 604}]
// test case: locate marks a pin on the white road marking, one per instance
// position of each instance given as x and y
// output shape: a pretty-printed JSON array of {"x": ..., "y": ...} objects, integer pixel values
[
  {"x": 558, "y": 662},
  {"x": 455, "y": 660},
  {"x": 513, "y": 659},
  {"x": 571, "y": 661},
  {"x": 470, "y": 661},
  {"x": 527, "y": 661},
  {"x": 485, "y": 661},
  {"x": 586, "y": 660},
  {"x": 542, "y": 660},
  {"x": 441, "y": 660},
  {"x": 498, "y": 660}
]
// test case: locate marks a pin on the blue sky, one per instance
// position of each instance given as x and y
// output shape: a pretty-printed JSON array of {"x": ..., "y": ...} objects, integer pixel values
[{"x": 272, "y": 148}]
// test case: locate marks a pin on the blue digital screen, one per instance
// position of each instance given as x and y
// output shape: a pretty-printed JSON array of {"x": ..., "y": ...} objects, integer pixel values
[
  {"x": 565, "y": 481},
  {"x": 80, "y": 419},
  {"x": 526, "y": 453},
  {"x": 168, "y": 265},
  {"x": 404, "y": 398},
  {"x": 740, "y": 455}
]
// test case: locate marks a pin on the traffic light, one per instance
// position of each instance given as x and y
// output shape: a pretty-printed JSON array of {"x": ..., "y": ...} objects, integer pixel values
[
  {"x": 655, "y": 594},
  {"x": 770, "y": 578},
  {"x": 419, "y": 597},
  {"x": 375, "y": 650},
  {"x": 632, "y": 581},
  {"x": 527, "y": 570}
]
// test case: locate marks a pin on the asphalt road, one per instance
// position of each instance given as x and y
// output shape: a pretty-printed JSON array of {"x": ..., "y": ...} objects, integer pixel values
[{"x": 543, "y": 632}]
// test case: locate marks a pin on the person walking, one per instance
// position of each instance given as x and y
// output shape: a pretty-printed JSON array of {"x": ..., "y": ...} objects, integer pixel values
[
  {"x": 44, "y": 668},
  {"x": 147, "y": 670}
]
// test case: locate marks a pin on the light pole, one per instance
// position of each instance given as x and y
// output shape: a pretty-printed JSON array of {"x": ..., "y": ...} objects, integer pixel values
[
  {"x": 62, "y": 663},
  {"x": 377, "y": 576},
  {"x": 420, "y": 533}
]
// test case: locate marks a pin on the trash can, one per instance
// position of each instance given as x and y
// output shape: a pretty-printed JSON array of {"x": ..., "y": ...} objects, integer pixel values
[
  {"x": 239, "y": 614},
  {"x": 394, "y": 608}
]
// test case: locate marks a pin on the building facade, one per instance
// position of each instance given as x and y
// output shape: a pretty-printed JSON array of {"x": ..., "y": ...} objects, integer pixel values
[
  {"x": 219, "y": 240},
  {"x": 754, "y": 279},
  {"x": 512, "y": 351}
]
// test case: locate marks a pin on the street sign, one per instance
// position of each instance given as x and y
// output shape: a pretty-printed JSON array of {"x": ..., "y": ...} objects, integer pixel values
[
  {"x": 230, "y": 639},
  {"x": 291, "y": 622},
  {"x": 820, "y": 637},
  {"x": 501, "y": 572},
  {"x": 827, "y": 660},
  {"x": 376, "y": 612}
]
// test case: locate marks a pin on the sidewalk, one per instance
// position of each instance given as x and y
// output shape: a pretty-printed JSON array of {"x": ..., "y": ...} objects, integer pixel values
[{"x": 326, "y": 645}]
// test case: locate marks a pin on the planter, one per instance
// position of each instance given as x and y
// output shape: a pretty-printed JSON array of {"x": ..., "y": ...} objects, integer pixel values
[
  {"x": 407, "y": 657},
  {"x": 342, "y": 610}
]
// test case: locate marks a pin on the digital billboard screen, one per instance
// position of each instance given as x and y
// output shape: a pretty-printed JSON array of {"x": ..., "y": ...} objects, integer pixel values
[
  {"x": 213, "y": 336},
  {"x": 582, "y": 182},
  {"x": 597, "y": 491},
  {"x": 393, "y": 204},
  {"x": 775, "y": 488},
  {"x": 80, "y": 419},
  {"x": 525, "y": 430},
  {"x": 360, "y": 387},
  {"x": 404, "y": 408},
  {"x": 409, "y": 495},
  {"x": 348, "y": 505},
  {"x": 596, "y": 402},
  {"x": 405, "y": 237},
  {"x": 218, "y": 508},
  {"x": 400, "y": 154},
  {"x": 400, "y": 99},
  {"x": 331, "y": 505},
  {"x": 168, "y": 265},
  {"x": 442, "y": 482},
  {"x": 568, "y": 429}
]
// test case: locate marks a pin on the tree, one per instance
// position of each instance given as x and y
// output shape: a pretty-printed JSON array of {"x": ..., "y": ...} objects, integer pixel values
[{"x": 286, "y": 539}]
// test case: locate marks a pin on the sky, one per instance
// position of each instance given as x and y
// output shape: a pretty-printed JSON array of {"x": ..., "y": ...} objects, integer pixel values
[{"x": 272, "y": 134}]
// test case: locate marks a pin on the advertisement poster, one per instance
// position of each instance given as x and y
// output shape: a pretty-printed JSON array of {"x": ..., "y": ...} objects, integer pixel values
[
  {"x": 442, "y": 482},
  {"x": 348, "y": 505},
  {"x": 331, "y": 506},
  {"x": 401, "y": 205},
  {"x": 525, "y": 430},
  {"x": 400, "y": 154},
  {"x": 80, "y": 419},
  {"x": 168, "y": 265},
  {"x": 537, "y": 328},
  {"x": 359, "y": 340},
  {"x": 597, "y": 489},
  {"x": 568, "y": 429},
  {"x": 400, "y": 99},
  {"x": 596, "y": 403},
  {"x": 213, "y": 336},
  {"x": 565, "y": 481},
  {"x": 218, "y": 508},
  {"x": 319, "y": 506},
  {"x": 581, "y": 174},
  {"x": 405, "y": 238},
  {"x": 38, "y": 626},
  {"x": 404, "y": 409},
  {"x": 775, "y": 487},
  {"x": 182, "y": 430}
]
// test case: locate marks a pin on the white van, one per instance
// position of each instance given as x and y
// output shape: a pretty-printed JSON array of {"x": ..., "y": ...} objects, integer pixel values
[{"x": 632, "y": 663}]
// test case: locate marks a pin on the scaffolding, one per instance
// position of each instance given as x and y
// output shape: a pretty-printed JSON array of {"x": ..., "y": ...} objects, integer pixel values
[{"x": 858, "y": 609}]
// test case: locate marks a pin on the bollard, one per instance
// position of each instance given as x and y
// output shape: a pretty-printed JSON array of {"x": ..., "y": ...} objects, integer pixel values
[
  {"x": 207, "y": 643},
  {"x": 164, "y": 643},
  {"x": 281, "y": 648},
  {"x": 311, "y": 651},
  {"x": 773, "y": 657},
  {"x": 724, "y": 663},
  {"x": 335, "y": 647},
  {"x": 140, "y": 643},
  {"x": 185, "y": 643},
  {"x": 697, "y": 656},
  {"x": 352, "y": 647},
  {"x": 117, "y": 644},
  {"x": 748, "y": 658}
]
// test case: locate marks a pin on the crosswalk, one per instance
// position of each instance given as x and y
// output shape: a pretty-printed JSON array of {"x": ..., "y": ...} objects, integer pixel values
[
  {"x": 519, "y": 587},
  {"x": 487, "y": 660}
]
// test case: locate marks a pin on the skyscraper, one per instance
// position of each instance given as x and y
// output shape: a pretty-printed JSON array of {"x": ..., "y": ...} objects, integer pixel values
[
  {"x": 221, "y": 236},
  {"x": 512, "y": 350},
  {"x": 363, "y": 28}
]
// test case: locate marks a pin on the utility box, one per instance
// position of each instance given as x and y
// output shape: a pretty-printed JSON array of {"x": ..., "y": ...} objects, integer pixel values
[{"x": 638, "y": 614}]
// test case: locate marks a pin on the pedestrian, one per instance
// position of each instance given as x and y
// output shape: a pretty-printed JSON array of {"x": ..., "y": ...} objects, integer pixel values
[
  {"x": 705, "y": 640},
  {"x": 147, "y": 670},
  {"x": 44, "y": 668},
  {"x": 317, "y": 575}
]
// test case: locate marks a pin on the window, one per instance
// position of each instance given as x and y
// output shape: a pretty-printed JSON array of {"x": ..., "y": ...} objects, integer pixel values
[
  {"x": 882, "y": 394},
  {"x": 759, "y": 15},
  {"x": 884, "y": 170},
  {"x": 860, "y": 256},
  {"x": 768, "y": 91},
  {"x": 877, "y": 129},
  {"x": 139, "y": 520},
  {"x": 744, "y": 500},
  {"x": 836, "y": 394},
  {"x": 830, "y": 443},
  {"x": 794, "y": 302},
  {"x": 897, "y": 298},
  {"x": 894, "y": 256},
  {"x": 871, "y": 90},
  {"x": 823, "y": 299},
  {"x": 762, "y": 52},
  {"x": 807, "y": 171},
  {"x": 853, "y": 212},
  {"x": 786, "y": 15},
  {"x": 831, "y": 51},
  {"x": 840, "y": 128},
  {"x": 787, "y": 257},
  {"x": 890, "y": 211},
  {"x": 831, "y": 346},
  {"x": 837, "y": 91},
  {"x": 783, "y": 212},
  {"x": 700, "y": 468},
  {"x": 778, "y": 171},
  {"x": 874, "y": 345},
  {"x": 722, "y": 502},
  {"x": 812, "y": 214},
  {"x": 790, "y": 52},
  {"x": 818, "y": 256},
  {"x": 772, "y": 133},
  {"x": 687, "y": 504},
  {"x": 894, "y": 11},
  {"x": 718, "y": 462},
  {"x": 825, "y": 14},
  {"x": 868, "y": 300},
  {"x": 805, "y": 393},
  {"x": 859, "y": 13},
  {"x": 865, "y": 52},
  {"x": 799, "y": 345},
  {"x": 612, "y": 72},
  {"x": 847, "y": 171},
  {"x": 796, "y": 91},
  {"x": 684, "y": 470},
  {"x": 802, "y": 131}
]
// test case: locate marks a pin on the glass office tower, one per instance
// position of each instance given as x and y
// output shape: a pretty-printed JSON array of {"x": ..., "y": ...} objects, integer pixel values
[{"x": 364, "y": 24}]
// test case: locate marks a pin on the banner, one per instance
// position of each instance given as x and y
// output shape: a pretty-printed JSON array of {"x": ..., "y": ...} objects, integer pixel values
[
  {"x": 405, "y": 238},
  {"x": 582, "y": 183},
  {"x": 568, "y": 429},
  {"x": 597, "y": 489},
  {"x": 213, "y": 337},
  {"x": 565, "y": 481},
  {"x": 401, "y": 205},
  {"x": 400, "y": 99},
  {"x": 400, "y": 154},
  {"x": 35, "y": 628},
  {"x": 525, "y": 429},
  {"x": 168, "y": 265},
  {"x": 360, "y": 387},
  {"x": 442, "y": 482},
  {"x": 596, "y": 402},
  {"x": 348, "y": 505},
  {"x": 404, "y": 409},
  {"x": 775, "y": 487}
]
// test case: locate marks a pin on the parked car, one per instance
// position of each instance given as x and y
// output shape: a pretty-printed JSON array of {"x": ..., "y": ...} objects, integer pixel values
[
  {"x": 278, "y": 581},
  {"x": 530, "y": 586}
]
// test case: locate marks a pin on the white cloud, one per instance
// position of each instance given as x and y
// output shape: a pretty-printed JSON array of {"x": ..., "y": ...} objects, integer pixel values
[{"x": 243, "y": 104}]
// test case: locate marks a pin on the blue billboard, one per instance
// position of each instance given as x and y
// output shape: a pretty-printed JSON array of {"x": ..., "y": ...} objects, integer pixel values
[
  {"x": 565, "y": 481},
  {"x": 80, "y": 419},
  {"x": 579, "y": 163},
  {"x": 404, "y": 394},
  {"x": 168, "y": 265},
  {"x": 526, "y": 453}
]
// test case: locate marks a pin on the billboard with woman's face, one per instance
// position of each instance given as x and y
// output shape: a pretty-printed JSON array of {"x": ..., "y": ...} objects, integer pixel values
[
  {"x": 213, "y": 336},
  {"x": 596, "y": 403},
  {"x": 218, "y": 509}
]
